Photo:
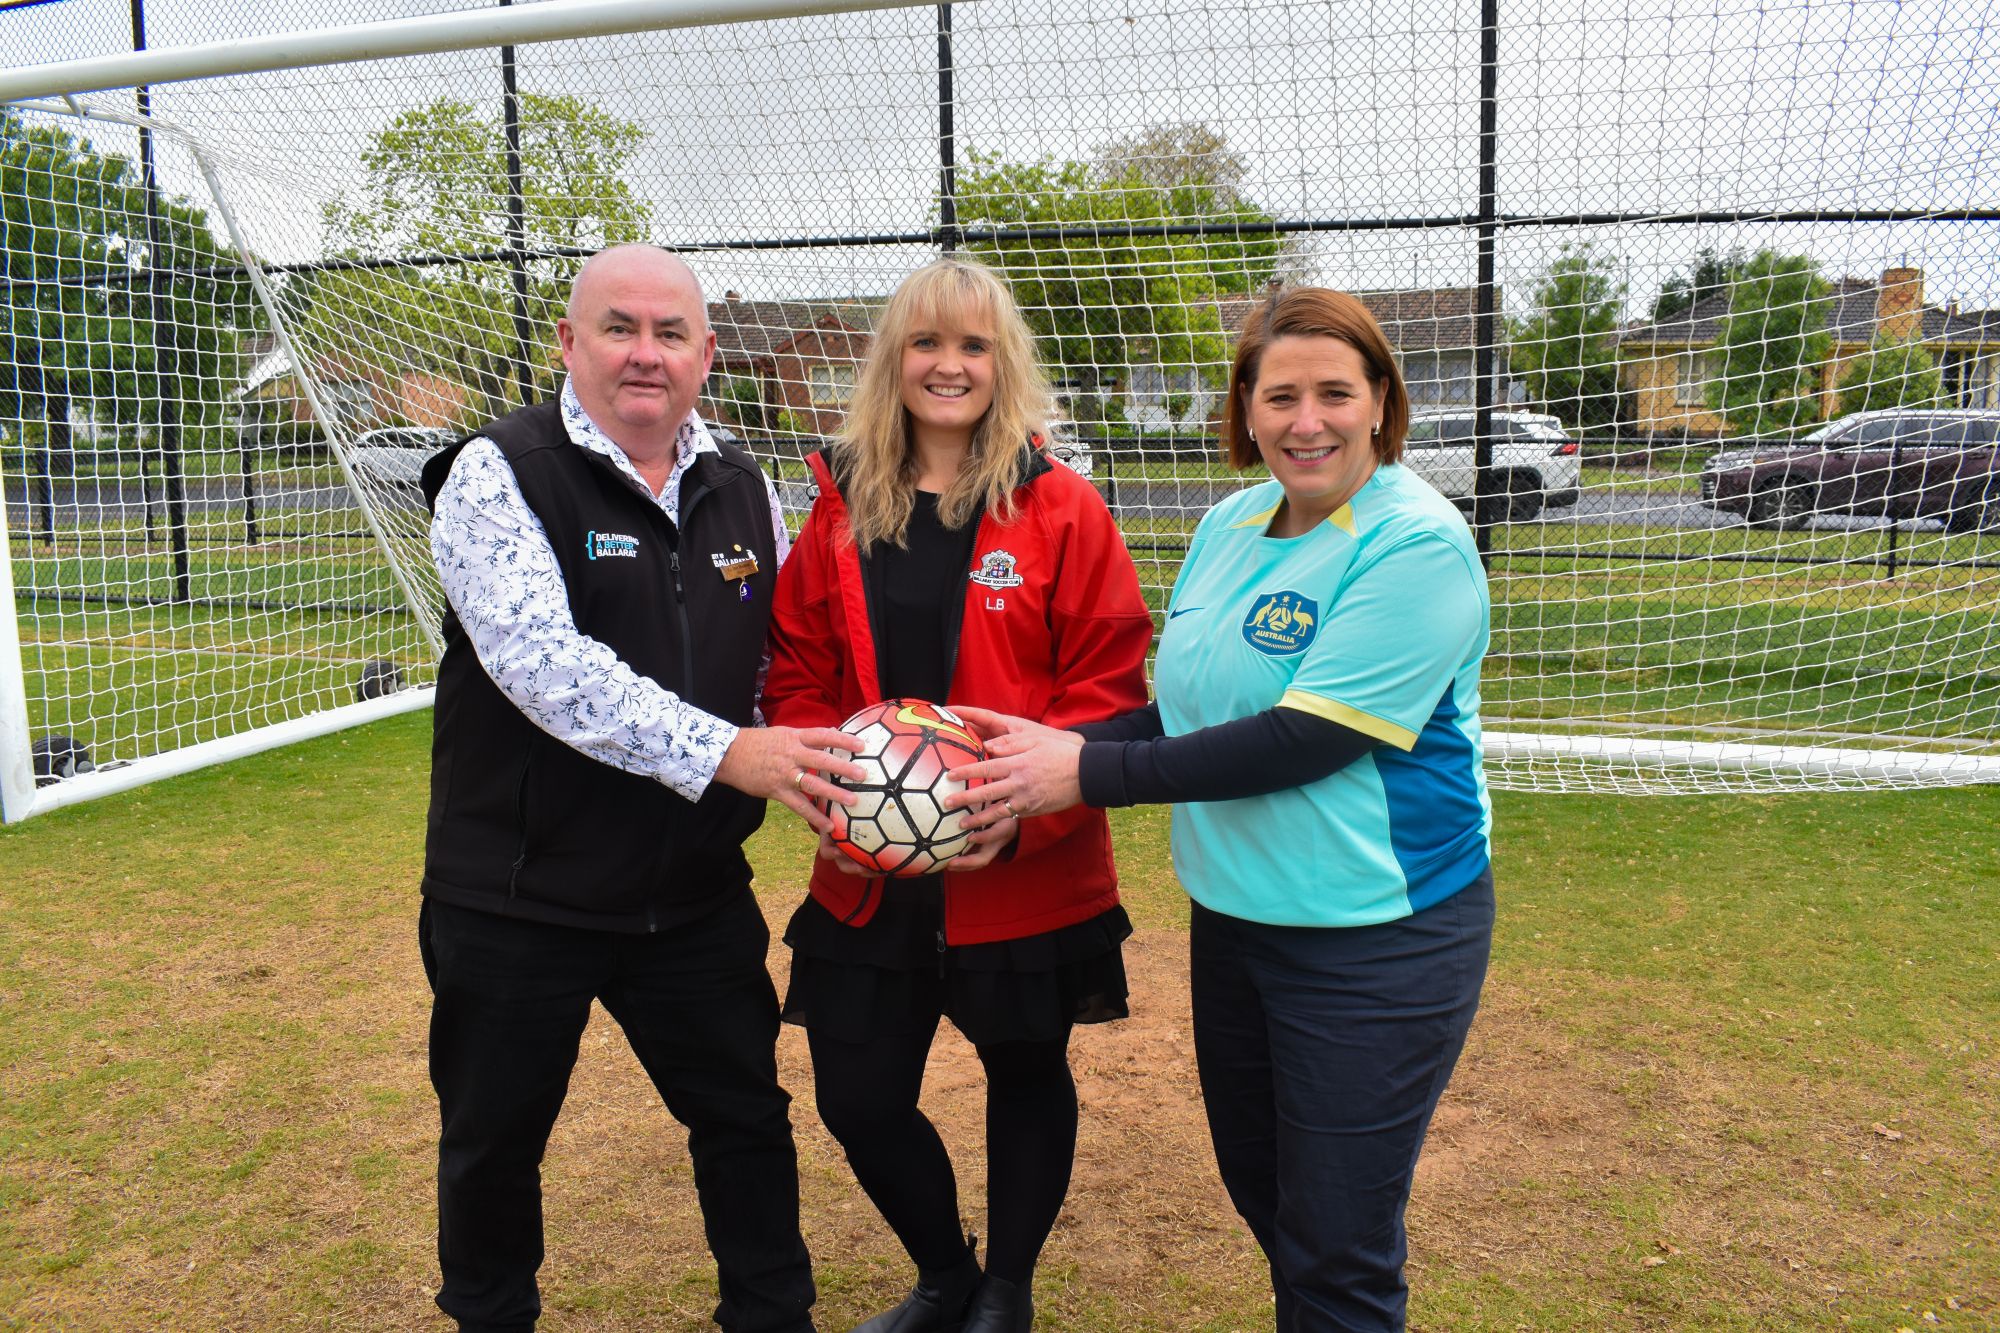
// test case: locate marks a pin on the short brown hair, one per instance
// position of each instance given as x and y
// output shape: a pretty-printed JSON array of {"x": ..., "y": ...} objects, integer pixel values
[{"x": 1315, "y": 312}]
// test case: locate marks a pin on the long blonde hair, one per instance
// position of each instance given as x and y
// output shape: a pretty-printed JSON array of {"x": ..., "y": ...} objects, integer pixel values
[{"x": 874, "y": 446}]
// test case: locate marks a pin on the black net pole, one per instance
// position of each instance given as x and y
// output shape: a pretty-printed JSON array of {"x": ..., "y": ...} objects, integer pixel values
[
  {"x": 165, "y": 357},
  {"x": 517, "y": 226},
  {"x": 948, "y": 232},
  {"x": 1894, "y": 493},
  {"x": 44, "y": 483},
  {"x": 1484, "y": 501},
  {"x": 249, "y": 459}
]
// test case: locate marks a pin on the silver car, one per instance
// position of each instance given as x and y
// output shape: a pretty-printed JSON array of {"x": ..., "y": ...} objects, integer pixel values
[
  {"x": 1536, "y": 463},
  {"x": 389, "y": 462}
]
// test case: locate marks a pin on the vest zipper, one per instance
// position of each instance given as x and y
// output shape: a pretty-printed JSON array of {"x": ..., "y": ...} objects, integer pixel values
[
  {"x": 521, "y": 814},
  {"x": 687, "y": 631}
]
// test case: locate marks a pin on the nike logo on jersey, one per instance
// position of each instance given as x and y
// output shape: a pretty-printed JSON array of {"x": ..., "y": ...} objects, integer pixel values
[{"x": 1180, "y": 611}]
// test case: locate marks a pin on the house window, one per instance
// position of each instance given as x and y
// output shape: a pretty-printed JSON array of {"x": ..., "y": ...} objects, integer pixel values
[
  {"x": 1692, "y": 372},
  {"x": 1151, "y": 392},
  {"x": 830, "y": 386},
  {"x": 1421, "y": 377},
  {"x": 1955, "y": 379}
]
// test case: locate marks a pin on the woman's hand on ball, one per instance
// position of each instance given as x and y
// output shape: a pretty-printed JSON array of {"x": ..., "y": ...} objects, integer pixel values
[
  {"x": 1009, "y": 733},
  {"x": 1027, "y": 775},
  {"x": 987, "y": 843},
  {"x": 841, "y": 861}
]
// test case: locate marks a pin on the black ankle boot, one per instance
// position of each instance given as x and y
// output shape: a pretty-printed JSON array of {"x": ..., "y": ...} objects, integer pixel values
[
  {"x": 937, "y": 1304},
  {"x": 1001, "y": 1307}
]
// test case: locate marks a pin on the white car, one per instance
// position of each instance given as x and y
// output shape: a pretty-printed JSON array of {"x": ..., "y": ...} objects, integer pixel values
[
  {"x": 390, "y": 461},
  {"x": 1536, "y": 463},
  {"x": 1071, "y": 452}
]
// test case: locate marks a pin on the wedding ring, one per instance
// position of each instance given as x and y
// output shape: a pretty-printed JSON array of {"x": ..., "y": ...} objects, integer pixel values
[
  {"x": 1008, "y": 806},
  {"x": 799, "y": 781}
]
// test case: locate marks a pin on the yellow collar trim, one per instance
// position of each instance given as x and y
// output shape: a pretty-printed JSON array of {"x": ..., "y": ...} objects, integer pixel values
[{"x": 1342, "y": 518}]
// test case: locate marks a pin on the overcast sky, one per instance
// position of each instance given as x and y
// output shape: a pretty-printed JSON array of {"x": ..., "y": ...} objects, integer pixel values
[{"x": 1340, "y": 109}]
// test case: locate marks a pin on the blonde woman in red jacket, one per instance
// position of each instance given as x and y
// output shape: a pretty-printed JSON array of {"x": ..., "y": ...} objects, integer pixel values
[{"x": 947, "y": 558}]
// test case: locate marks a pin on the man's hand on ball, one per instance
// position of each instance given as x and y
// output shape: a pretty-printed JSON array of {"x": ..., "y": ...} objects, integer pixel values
[{"x": 791, "y": 766}]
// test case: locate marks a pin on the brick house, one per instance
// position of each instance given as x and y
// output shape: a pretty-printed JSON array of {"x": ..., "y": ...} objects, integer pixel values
[
  {"x": 801, "y": 357},
  {"x": 359, "y": 397},
  {"x": 1665, "y": 366},
  {"x": 794, "y": 357},
  {"x": 1431, "y": 330}
]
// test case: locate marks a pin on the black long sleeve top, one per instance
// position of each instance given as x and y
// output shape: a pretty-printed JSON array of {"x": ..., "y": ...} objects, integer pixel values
[{"x": 1129, "y": 760}]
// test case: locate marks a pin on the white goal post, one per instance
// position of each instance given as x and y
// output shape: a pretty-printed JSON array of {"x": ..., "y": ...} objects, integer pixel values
[{"x": 1702, "y": 334}]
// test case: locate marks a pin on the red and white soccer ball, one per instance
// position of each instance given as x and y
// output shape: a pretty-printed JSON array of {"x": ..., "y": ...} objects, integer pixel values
[{"x": 900, "y": 825}]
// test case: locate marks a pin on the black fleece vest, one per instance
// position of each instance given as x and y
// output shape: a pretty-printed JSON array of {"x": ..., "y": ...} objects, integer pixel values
[{"x": 522, "y": 824}]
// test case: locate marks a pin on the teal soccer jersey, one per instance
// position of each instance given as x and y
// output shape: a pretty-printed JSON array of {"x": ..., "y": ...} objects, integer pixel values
[{"x": 1376, "y": 619}]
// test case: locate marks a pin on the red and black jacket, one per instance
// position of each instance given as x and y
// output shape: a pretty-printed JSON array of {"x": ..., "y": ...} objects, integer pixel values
[{"x": 1052, "y": 626}]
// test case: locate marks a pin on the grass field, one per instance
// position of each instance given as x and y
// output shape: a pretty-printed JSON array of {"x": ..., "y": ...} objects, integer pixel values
[{"x": 1736, "y": 1069}]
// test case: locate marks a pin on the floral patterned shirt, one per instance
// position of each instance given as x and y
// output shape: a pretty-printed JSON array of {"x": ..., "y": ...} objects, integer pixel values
[{"x": 502, "y": 579}]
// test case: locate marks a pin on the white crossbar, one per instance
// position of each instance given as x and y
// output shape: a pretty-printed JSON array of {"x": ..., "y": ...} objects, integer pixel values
[{"x": 515, "y": 25}]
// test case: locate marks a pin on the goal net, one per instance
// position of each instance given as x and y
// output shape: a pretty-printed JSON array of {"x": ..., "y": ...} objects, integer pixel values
[{"x": 1698, "y": 305}]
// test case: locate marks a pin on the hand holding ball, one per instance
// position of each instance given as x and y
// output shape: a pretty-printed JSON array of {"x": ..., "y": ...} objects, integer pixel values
[{"x": 900, "y": 826}]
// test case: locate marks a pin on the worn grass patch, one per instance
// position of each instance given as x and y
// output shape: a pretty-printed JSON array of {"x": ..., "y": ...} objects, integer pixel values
[{"x": 1736, "y": 1069}]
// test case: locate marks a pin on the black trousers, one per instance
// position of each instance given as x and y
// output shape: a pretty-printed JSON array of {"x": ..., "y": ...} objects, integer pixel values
[
  {"x": 1322, "y": 1054},
  {"x": 509, "y": 1002}
]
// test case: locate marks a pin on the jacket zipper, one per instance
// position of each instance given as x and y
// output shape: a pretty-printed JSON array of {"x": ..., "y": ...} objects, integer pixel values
[{"x": 951, "y": 673}]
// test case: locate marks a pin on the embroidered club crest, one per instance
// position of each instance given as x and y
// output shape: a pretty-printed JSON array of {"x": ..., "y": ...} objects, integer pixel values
[
  {"x": 996, "y": 570},
  {"x": 1281, "y": 624}
]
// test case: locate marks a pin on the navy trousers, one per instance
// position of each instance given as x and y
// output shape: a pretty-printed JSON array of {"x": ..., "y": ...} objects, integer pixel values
[
  {"x": 1323, "y": 1053},
  {"x": 509, "y": 1002}
]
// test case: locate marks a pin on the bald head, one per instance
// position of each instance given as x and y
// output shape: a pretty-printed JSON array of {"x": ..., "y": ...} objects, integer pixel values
[
  {"x": 637, "y": 345},
  {"x": 619, "y": 262}
]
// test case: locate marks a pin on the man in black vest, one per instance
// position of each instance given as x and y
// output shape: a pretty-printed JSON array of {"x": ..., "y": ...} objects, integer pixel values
[{"x": 596, "y": 767}]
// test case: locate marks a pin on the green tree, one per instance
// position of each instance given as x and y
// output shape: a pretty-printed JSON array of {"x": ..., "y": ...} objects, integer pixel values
[
  {"x": 1709, "y": 275},
  {"x": 435, "y": 183},
  {"x": 1566, "y": 350},
  {"x": 1772, "y": 346},
  {"x": 1104, "y": 304},
  {"x": 1893, "y": 372},
  {"x": 98, "y": 313}
]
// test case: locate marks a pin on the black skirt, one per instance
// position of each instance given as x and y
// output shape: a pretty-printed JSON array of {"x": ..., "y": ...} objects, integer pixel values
[{"x": 895, "y": 973}]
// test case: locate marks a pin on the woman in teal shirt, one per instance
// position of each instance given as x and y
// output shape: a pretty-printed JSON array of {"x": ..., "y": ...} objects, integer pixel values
[{"x": 1316, "y": 727}]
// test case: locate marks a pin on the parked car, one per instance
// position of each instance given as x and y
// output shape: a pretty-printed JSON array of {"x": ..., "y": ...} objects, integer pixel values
[
  {"x": 1536, "y": 463},
  {"x": 390, "y": 461},
  {"x": 1898, "y": 463},
  {"x": 1072, "y": 453}
]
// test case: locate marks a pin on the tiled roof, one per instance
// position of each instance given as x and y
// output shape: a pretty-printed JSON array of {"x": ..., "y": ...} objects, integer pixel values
[
  {"x": 1850, "y": 318},
  {"x": 1415, "y": 319},
  {"x": 749, "y": 330}
]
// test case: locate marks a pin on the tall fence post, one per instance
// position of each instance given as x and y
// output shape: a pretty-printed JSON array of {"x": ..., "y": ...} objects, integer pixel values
[
  {"x": 517, "y": 225},
  {"x": 949, "y": 234},
  {"x": 166, "y": 360},
  {"x": 1484, "y": 324}
]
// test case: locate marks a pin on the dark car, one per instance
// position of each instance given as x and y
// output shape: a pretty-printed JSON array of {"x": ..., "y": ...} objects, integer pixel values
[{"x": 1896, "y": 464}]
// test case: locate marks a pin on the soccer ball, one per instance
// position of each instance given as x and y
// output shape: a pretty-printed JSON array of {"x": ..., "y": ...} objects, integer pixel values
[{"x": 900, "y": 825}]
